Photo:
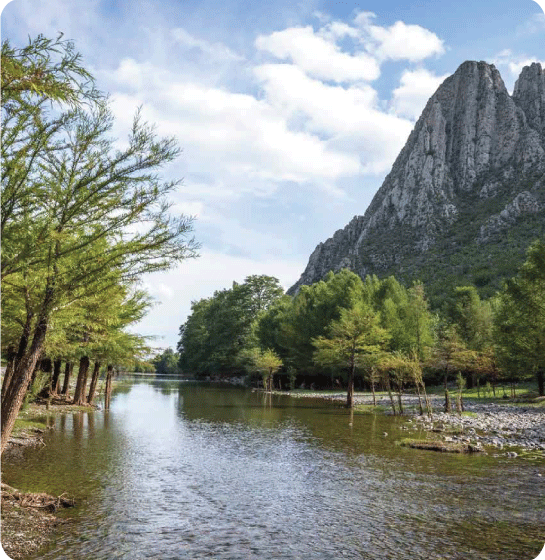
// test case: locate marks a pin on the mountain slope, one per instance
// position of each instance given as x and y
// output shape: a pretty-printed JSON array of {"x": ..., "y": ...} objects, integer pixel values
[{"x": 466, "y": 194}]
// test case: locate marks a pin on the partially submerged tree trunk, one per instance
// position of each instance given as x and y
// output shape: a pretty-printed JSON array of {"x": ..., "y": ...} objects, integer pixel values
[
  {"x": 421, "y": 410},
  {"x": 94, "y": 380},
  {"x": 108, "y": 390},
  {"x": 389, "y": 389},
  {"x": 428, "y": 402},
  {"x": 350, "y": 388},
  {"x": 67, "y": 373},
  {"x": 399, "y": 393},
  {"x": 79, "y": 393}
]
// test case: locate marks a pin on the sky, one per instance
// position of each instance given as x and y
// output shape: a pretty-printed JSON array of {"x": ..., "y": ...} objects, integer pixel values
[{"x": 289, "y": 114}]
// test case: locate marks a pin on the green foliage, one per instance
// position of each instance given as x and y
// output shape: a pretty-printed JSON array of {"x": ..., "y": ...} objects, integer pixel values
[
  {"x": 81, "y": 219},
  {"x": 45, "y": 68},
  {"x": 312, "y": 311},
  {"x": 166, "y": 363},
  {"x": 316, "y": 331},
  {"x": 266, "y": 362},
  {"x": 520, "y": 317},
  {"x": 220, "y": 328},
  {"x": 472, "y": 317},
  {"x": 351, "y": 339}
]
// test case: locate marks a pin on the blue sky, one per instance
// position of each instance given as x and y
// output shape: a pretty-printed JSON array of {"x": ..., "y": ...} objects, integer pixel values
[{"x": 290, "y": 114}]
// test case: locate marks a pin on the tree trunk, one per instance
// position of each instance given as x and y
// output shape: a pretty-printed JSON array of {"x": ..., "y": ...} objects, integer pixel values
[
  {"x": 399, "y": 393},
  {"x": 374, "y": 396},
  {"x": 15, "y": 394},
  {"x": 389, "y": 388},
  {"x": 350, "y": 389},
  {"x": 94, "y": 380},
  {"x": 46, "y": 365},
  {"x": 428, "y": 402},
  {"x": 67, "y": 373},
  {"x": 540, "y": 381},
  {"x": 55, "y": 381},
  {"x": 10, "y": 367},
  {"x": 447, "y": 400},
  {"x": 419, "y": 399},
  {"x": 108, "y": 390},
  {"x": 79, "y": 393}
]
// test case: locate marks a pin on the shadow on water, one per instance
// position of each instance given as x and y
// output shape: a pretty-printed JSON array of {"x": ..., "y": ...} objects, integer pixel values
[{"x": 180, "y": 470}]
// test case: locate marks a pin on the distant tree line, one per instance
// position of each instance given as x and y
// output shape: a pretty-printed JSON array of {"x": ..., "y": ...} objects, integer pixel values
[
  {"x": 345, "y": 331},
  {"x": 83, "y": 217}
]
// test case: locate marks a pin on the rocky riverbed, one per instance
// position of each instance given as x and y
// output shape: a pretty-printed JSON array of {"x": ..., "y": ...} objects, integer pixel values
[
  {"x": 495, "y": 425},
  {"x": 488, "y": 425}
]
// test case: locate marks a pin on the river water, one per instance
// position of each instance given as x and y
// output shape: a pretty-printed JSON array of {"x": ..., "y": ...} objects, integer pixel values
[{"x": 178, "y": 470}]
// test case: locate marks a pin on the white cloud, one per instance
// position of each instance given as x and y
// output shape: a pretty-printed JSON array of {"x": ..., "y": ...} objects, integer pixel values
[
  {"x": 400, "y": 41},
  {"x": 318, "y": 55},
  {"x": 513, "y": 63},
  {"x": 348, "y": 117},
  {"x": 188, "y": 208},
  {"x": 229, "y": 132},
  {"x": 217, "y": 51},
  {"x": 158, "y": 290},
  {"x": 416, "y": 87}
]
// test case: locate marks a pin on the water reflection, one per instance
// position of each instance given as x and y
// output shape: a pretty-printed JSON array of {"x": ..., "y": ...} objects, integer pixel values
[{"x": 177, "y": 470}]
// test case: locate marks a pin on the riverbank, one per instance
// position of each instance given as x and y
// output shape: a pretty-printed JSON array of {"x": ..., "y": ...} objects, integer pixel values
[
  {"x": 487, "y": 424},
  {"x": 36, "y": 419},
  {"x": 28, "y": 521}
]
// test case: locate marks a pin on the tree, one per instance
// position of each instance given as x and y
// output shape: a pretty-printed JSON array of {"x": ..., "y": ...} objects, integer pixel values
[
  {"x": 311, "y": 313},
  {"x": 78, "y": 209},
  {"x": 450, "y": 354},
  {"x": 519, "y": 322},
  {"x": 353, "y": 337},
  {"x": 472, "y": 317},
  {"x": 219, "y": 328},
  {"x": 166, "y": 363},
  {"x": 267, "y": 362}
]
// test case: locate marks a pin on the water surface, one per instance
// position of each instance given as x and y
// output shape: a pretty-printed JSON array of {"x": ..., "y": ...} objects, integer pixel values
[{"x": 178, "y": 470}]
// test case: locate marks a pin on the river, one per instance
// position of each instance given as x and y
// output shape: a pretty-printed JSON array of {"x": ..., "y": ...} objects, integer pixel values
[{"x": 179, "y": 470}]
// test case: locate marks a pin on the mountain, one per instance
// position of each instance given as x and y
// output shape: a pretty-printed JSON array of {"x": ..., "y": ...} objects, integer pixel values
[{"x": 466, "y": 194}]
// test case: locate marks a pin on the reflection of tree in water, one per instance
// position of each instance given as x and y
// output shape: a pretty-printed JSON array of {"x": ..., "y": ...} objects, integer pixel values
[{"x": 229, "y": 404}]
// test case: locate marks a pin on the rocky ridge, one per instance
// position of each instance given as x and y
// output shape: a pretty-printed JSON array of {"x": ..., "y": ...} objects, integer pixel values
[{"x": 472, "y": 170}]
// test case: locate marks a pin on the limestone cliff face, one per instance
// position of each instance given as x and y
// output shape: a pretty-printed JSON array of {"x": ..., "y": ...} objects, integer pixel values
[{"x": 472, "y": 168}]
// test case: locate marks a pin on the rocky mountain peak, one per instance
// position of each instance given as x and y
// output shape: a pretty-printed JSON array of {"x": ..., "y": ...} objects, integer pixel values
[
  {"x": 529, "y": 95},
  {"x": 475, "y": 148}
]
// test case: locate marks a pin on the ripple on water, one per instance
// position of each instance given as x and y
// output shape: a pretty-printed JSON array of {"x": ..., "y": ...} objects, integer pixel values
[{"x": 199, "y": 473}]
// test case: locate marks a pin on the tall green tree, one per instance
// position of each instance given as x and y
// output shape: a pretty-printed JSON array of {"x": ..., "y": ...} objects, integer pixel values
[
  {"x": 520, "y": 318},
  {"x": 312, "y": 311},
  {"x": 351, "y": 339}
]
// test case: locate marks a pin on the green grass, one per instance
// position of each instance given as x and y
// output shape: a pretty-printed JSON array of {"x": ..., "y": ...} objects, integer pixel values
[
  {"x": 23, "y": 426},
  {"x": 522, "y": 390}
]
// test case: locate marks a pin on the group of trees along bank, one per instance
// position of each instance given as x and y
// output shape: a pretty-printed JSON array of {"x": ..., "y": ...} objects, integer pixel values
[
  {"x": 373, "y": 332},
  {"x": 82, "y": 220}
]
